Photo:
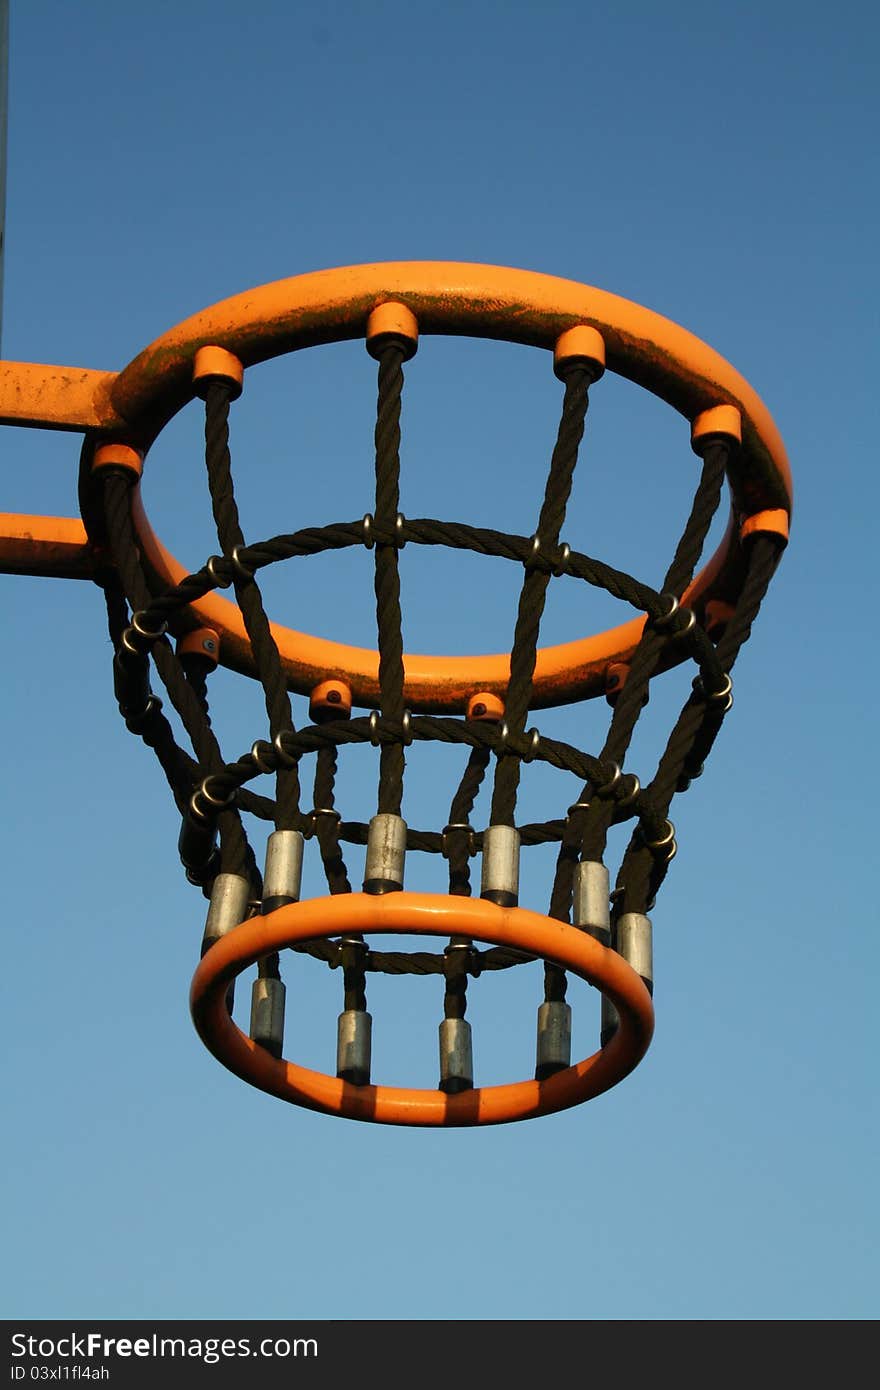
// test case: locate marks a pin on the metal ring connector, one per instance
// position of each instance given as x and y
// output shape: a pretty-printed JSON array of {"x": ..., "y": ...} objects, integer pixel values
[
  {"x": 406, "y": 735},
  {"x": 467, "y": 957},
  {"x": 724, "y": 696},
  {"x": 629, "y": 797},
  {"x": 690, "y": 623},
  {"x": 458, "y": 825},
  {"x": 534, "y": 744},
  {"x": 354, "y": 944},
  {"x": 608, "y": 787},
  {"x": 680, "y": 620},
  {"x": 138, "y": 640},
  {"x": 665, "y": 619},
  {"x": 283, "y": 756},
  {"x": 562, "y": 559},
  {"x": 135, "y": 722},
  {"x": 148, "y": 633},
  {"x": 260, "y": 750},
  {"x": 367, "y": 525},
  {"x": 504, "y": 737},
  {"x": 399, "y": 523},
  {"x": 666, "y": 841},
  {"x": 214, "y": 804},
  {"x": 243, "y": 571},
  {"x": 211, "y": 566},
  {"x": 219, "y": 803},
  {"x": 575, "y": 807},
  {"x": 325, "y": 811}
]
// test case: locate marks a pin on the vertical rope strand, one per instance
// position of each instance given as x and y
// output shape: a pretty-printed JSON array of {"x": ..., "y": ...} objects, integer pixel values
[
  {"x": 534, "y": 589},
  {"x": 597, "y": 821},
  {"x": 327, "y": 822},
  {"x": 247, "y": 593},
  {"x": 235, "y": 852},
  {"x": 641, "y": 873},
  {"x": 389, "y": 620}
]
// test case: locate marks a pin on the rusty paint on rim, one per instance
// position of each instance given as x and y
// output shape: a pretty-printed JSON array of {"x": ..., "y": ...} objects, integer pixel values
[{"x": 446, "y": 298}]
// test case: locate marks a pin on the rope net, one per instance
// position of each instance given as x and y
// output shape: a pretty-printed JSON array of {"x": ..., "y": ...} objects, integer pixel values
[{"x": 218, "y": 800}]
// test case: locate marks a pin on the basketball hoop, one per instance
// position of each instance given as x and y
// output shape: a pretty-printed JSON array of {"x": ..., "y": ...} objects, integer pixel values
[{"x": 180, "y": 624}]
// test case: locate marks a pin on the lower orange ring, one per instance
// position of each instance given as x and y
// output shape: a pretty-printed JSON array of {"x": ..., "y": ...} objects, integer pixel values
[{"x": 430, "y": 915}]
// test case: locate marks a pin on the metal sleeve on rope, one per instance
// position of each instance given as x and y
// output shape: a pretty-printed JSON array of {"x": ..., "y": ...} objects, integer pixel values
[
  {"x": 267, "y": 1014},
  {"x": 386, "y": 851},
  {"x": 500, "y": 876},
  {"x": 230, "y": 900},
  {"x": 553, "y": 1047}
]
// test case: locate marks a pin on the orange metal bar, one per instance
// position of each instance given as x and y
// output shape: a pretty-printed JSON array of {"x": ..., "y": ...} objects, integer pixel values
[
  {"x": 447, "y": 298},
  {"x": 451, "y": 297},
  {"x": 53, "y": 546},
  {"x": 431, "y": 915},
  {"x": 60, "y": 398}
]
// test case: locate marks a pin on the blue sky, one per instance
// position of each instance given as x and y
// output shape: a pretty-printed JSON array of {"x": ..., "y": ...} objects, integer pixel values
[{"x": 715, "y": 163}]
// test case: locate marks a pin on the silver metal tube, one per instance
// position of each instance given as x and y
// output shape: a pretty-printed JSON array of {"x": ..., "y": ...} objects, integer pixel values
[
  {"x": 554, "y": 1038},
  {"x": 354, "y": 1031},
  {"x": 230, "y": 897},
  {"x": 591, "y": 905},
  {"x": 633, "y": 941},
  {"x": 386, "y": 852},
  {"x": 267, "y": 1014},
  {"x": 283, "y": 876},
  {"x": 456, "y": 1056},
  {"x": 610, "y": 1021},
  {"x": 500, "y": 876}
]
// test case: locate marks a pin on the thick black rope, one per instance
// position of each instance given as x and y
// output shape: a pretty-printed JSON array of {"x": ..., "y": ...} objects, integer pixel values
[
  {"x": 531, "y": 607},
  {"x": 457, "y": 842},
  {"x": 679, "y": 574},
  {"x": 703, "y": 509},
  {"x": 326, "y": 819},
  {"x": 596, "y": 822},
  {"x": 389, "y": 626},
  {"x": 423, "y": 727},
  {"x": 456, "y": 978},
  {"x": 356, "y": 832},
  {"x": 534, "y": 589},
  {"x": 415, "y": 962},
  {"x": 423, "y": 531},
  {"x": 149, "y": 722},
  {"x": 247, "y": 593},
  {"x": 387, "y": 578},
  {"x": 589, "y": 821},
  {"x": 641, "y": 872},
  {"x": 235, "y": 854},
  {"x": 458, "y": 834}
]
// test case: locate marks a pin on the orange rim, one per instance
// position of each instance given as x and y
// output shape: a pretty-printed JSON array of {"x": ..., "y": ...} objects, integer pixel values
[
  {"x": 432, "y": 915},
  {"x": 445, "y": 298}
]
